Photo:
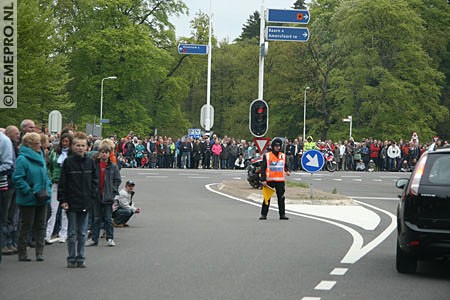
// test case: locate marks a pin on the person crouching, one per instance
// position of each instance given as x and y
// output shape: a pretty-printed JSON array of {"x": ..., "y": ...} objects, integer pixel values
[{"x": 123, "y": 207}]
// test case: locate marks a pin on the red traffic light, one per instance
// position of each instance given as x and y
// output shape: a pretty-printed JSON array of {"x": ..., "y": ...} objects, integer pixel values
[{"x": 259, "y": 118}]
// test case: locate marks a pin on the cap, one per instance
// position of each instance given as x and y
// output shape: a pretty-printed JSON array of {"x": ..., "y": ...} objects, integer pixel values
[{"x": 130, "y": 182}]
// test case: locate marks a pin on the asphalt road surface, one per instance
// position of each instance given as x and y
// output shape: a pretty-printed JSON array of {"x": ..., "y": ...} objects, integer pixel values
[{"x": 191, "y": 242}]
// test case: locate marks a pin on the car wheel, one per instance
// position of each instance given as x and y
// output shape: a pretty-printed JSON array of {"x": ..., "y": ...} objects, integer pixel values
[{"x": 405, "y": 263}]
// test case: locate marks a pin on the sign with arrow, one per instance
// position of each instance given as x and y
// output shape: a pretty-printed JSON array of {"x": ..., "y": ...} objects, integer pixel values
[
  {"x": 293, "y": 16},
  {"x": 312, "y": 161},
  {"x": 261, "y": 144},
  {"x": 290, "y": 34},
  {"x": 192, "y": 49}
]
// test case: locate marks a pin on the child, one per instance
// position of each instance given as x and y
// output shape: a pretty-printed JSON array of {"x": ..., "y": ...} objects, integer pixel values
[
  {"x": 124, "y": 207},
  {"x": 109, "y": 181},
  {"x": 77, "y": 193}
]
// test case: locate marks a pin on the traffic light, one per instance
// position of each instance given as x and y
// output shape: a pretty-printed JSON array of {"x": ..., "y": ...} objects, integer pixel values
[{"x": 259, "y": 118}]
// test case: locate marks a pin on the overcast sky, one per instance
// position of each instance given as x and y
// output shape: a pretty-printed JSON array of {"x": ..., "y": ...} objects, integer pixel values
[{"x": 229, "y": 16}]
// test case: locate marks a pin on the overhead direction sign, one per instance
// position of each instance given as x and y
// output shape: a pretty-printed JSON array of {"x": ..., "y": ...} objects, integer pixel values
[
  {"x": 192, "y": 49},
  {"x": 294, "y": 16},
  {"x": 312, "y": 161},
  {"x": 290, "y": 34},
  {"x": 261, "y": 144}
]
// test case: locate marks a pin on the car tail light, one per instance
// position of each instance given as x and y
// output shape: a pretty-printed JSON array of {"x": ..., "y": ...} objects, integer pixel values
[
  {"x": 414, "y": 243},
  {"x": 417, "y": 175}
]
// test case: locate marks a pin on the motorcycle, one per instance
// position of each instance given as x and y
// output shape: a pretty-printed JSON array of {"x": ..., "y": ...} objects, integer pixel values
[
  {"x": 254, "y": 171},
  {"x": 330, "y": 163}
]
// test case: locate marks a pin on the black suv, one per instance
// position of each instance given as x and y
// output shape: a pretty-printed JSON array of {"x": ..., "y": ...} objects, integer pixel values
[{"x": 423, "y": 213}]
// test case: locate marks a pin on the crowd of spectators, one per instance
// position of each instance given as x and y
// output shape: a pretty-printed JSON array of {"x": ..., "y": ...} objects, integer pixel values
[{"x": 231, "y": 153}]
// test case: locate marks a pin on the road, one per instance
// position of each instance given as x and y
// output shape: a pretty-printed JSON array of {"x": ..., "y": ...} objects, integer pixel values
[{"x": 193, "y": 243}]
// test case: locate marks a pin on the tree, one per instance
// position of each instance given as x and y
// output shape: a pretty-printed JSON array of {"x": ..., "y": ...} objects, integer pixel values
[
  {"x": 250, "y": 31},
  {"x": 42, "y": 73},
  {"x": 387, "y": 78}
]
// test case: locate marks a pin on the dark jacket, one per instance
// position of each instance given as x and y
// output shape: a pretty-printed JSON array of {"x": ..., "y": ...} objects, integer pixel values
[
  {"x": 78, "y": 183},
  {"x": 111, "y": 183}
]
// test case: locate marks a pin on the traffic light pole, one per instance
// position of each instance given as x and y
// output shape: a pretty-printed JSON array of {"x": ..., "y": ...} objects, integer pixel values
[{"x": 261, "y": 52}]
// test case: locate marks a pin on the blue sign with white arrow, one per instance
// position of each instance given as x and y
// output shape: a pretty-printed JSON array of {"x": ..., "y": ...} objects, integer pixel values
[
  {"x": 192, "y": 49},
  {"x": 294, "y": 16},
  {"x": 312, "y": 161},
  {"x": 290, "y": 34}
]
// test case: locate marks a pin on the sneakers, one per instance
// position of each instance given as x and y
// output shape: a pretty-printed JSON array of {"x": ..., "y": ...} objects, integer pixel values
[
  {"x": 71, "y": 264},
  {"x": 263, "y": 217},
  {"x": 91, "y": 243},
  {"x": 110, "y": 243},
  {"x": 283, "y": 217},
  {"x": 7, "y": 251},
  {"x": 81, "y": 264}
]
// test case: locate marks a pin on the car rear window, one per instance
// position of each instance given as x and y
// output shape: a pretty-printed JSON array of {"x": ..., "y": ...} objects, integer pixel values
[{"x": 438, "y": 170}]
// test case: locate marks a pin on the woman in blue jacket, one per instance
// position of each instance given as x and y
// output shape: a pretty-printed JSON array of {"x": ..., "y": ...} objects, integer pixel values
[{"x": 31, "y": 180}]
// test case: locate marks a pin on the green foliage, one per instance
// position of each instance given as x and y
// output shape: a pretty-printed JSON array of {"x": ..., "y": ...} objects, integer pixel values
[{"x": 386, "y": 63}]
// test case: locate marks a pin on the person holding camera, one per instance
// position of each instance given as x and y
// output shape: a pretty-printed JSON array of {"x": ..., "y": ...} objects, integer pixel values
[
  {"x": 123, "y": 207},
  {"x": 33, "y": 190}
]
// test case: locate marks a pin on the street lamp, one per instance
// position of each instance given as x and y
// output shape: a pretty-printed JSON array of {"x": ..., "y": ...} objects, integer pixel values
[
  {"x": 304, "y": 115},
  {"x": 101, "y": 98},
  {"x": 349, "y": 120}
]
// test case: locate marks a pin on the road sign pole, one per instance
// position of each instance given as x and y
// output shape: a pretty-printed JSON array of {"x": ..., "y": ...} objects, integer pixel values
[
  {"x": 208, "y": 91},
  {"x": 261, "y": 55}
]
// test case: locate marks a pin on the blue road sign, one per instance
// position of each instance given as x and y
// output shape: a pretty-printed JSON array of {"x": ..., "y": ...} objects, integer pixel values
[
  {"x": 192, "y": 49},
  {"x": 104, "y": 121},
  {"x": 194, "y": 132},
  {"x": 295, "y": 16},
  {"x": 312, "y": 161},
  {"x": 290, "y": 34}
]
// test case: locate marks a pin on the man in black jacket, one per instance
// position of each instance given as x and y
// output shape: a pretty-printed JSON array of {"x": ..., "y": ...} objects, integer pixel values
[
  {"x": 77, "y": 193},
  {"x": 109, "y": 181}
]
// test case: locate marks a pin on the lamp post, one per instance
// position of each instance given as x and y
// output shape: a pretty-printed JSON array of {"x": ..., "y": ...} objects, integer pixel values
[
  {"x": 349, "y": 119},
  {"x": 101, "y": 98},
  {"x": 304, "y": 115}
]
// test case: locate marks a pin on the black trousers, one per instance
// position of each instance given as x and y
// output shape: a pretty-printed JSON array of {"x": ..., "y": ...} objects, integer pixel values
[
  {"x": 279, "y": 188},
  {"x": 32, "y": 220}
]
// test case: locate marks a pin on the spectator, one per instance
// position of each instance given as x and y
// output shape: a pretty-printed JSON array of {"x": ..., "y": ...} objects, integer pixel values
[
  {"x": 123, "y": 207},
  {"x": 57, "y": 157},
  {"x": 109, "y": 181},
  {"x": 77, "y": 193},
  {"x": 239, "y": 164},
  {"x": 216, "y": 149},
  {"x": 33, "y": 190}
]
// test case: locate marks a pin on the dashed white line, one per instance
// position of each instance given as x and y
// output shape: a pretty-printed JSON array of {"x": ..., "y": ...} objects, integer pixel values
[
  {"x": 198, "y": 177},
  {"x": 339, "y": 271},
  {"x": 157, "y": 176},
  {"x": 337, "y": 179},
  {"x": 325, "y": 285},
  {"x": 310, "y": 298},
  {"x": 357, "y": 179}
]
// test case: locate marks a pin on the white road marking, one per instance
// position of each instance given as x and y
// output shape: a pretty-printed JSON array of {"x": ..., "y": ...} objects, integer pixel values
[
  {"x": 357, "y": 250},
  {"x": 310, "y": 298},
  {"x": 374, "y": 198},
  {"x": 317, "y": 179},
  {"x": 350, "y": 176},
  {"x": 157, "y": 176},
  {"x": 379, "y": 180},
  {"x": 337, "y": 179},
  {"x": 325, "y": 285},
  {"x": 339, "y": 271},
  {"x": 357, "y": 179},
  {"x": 198, "y": 177},
  {"x": 237, "y": 178},
  {"x": 148, "y": 173}
]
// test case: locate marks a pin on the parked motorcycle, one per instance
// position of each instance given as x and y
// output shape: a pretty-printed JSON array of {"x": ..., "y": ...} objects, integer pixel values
[
  {"x": 330, "y": 163},
  {"x": 254, "y": 171}
]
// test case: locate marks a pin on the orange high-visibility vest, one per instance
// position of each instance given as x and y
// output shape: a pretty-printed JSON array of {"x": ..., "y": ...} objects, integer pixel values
[{"x": 275, "y": 166}]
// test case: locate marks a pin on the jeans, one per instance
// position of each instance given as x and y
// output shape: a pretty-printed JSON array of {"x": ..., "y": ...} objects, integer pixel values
[
  {"x": 76, "y": 241},
  {"x": 9, "y": 208},
  {"x": 186, "y": 160},
  {"x": 122, "y": 215},
  {"x": 102, "y": 213}
]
